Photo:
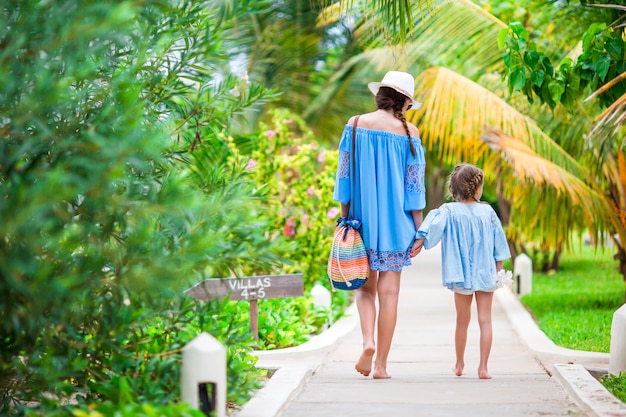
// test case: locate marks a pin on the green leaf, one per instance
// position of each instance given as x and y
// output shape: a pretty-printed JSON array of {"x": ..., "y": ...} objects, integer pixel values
[
  {"x": 573, "y": 79},
  {"x": 520, "y": 31},
  {"x": 557, "y": 88},
  {"x": 531, "y": 58},
  {"x": 568, "y": 98},
  {"x": 537, "y": 77},
  {"x": 602, "y": 67},
  {"x": 502, "y": 35},
  {"x": 547, "y": 65},
  {"x": 518, "y": 78},
  {"x": 546, "y": 95},
  {"x": 507, "y": 59},
  {"x": 615, "y": 47}
]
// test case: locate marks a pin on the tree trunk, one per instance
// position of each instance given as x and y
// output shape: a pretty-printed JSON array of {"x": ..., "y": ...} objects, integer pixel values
[{"x": 555, "y": 260}]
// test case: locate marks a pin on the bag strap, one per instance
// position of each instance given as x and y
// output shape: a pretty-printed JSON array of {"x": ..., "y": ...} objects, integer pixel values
[{"x": 353, "y": 167}]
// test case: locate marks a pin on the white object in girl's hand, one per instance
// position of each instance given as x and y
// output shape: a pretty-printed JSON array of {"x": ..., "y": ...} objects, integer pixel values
[{"x": 503, "y": 277}]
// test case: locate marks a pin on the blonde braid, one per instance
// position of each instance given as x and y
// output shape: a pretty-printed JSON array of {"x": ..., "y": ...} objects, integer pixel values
[{"x": 465, "y": 181}]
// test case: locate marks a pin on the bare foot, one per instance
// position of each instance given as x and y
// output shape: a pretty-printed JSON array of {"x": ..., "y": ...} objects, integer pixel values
[
  {"x": 458, "y": 369},
  {"x": 364, "y": 364},
  {"x": 483, "y": 374},
  {"x": 380, "y": 374}
]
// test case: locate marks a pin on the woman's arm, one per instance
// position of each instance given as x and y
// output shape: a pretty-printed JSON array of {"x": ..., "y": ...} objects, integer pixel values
[
  {"x": 419, "y": 243},
  {"x": 417, "y": 218},
  {"x": 345, "y": 210}
]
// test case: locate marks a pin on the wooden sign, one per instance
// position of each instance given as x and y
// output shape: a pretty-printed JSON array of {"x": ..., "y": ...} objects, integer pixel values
[{"x": 251, "y": 289}]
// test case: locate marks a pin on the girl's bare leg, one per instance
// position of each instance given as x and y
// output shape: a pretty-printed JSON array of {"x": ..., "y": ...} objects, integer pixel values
[
  {"x": 388, "y": 291},
  {"x": 463, "y": 305},
  {"x": 366, "y": 305},
  {"x": 483, "y": 302}
]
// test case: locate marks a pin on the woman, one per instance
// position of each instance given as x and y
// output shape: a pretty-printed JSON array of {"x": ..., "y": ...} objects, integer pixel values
[{"x": 389, "y": 197}]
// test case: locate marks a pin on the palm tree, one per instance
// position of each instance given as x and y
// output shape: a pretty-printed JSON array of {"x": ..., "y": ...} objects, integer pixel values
[
  {"x": 459, "y": 99},
  {"x": 454, "y": 53}
]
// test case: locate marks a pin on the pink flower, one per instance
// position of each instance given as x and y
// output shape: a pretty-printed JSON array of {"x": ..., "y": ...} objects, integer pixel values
[
  {"x": 332, "y": 213},
  {"x": 304, "y": 219},
  {"x": 310, "y": 191},
  {"x": 288, "y": 121},
  {"x": 270, "y": 134},
  {"x": 289, "y": 229},
  {"x": 251, "y": 164},
  {"x": 321, "y": 157}
]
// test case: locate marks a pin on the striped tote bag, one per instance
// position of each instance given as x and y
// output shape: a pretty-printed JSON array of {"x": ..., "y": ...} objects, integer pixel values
[{"x": 348, "y": 268}]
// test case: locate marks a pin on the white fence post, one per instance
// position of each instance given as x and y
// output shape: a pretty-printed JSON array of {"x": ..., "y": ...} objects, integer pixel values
[
  {"x": 323, "y": 299},
  {"x": 617, "y": 355},
  {"x": 203, "y": 376},
  {"x": 523, "y": 274}
]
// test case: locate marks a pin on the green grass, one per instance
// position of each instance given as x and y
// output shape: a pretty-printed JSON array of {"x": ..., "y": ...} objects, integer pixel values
[
  {"x": 616, "y": 385},
  {"x": 574, "y": 306}
]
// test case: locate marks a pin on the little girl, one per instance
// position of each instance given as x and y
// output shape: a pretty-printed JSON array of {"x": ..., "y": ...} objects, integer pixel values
[{"x": 472, "y": 251}]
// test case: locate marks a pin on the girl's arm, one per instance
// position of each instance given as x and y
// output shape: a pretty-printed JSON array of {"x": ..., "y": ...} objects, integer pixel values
[
  {"x": 432, "y": 229},
  {"x": 498, "y": 266}
]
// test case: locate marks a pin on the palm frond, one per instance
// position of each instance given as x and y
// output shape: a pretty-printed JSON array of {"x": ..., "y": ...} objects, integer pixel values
[
  {"x": 459, "y": 35},
  {"x": 608, "y": 131},
  {"x": 543, "y": 178},
  {"x": 391, "y": 19},
  {"x": 531, "y": 167},
  {"x": 454, "y": 33},
  {"x": 455, "y": 111}
]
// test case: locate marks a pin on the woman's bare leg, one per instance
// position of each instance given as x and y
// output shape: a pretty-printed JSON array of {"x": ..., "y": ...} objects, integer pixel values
[
  {"x": 463, "y": 305},
  {"x": 388, "y": 291},
  {"x": 366, "y": 305},
  {"x": 483, "y": 302}
]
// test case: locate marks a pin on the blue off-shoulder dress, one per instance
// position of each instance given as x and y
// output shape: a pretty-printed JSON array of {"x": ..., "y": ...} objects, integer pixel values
[
  {"x": 389, "y": 184},
  {"x": 472, "y": 241}
]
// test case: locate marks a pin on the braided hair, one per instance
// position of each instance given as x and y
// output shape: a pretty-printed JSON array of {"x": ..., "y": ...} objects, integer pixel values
[
  {"x": 390, "y": 99},
  {"x": 464, "y": 181}
]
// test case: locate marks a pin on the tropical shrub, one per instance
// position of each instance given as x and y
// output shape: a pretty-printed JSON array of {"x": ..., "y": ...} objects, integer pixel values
[
  {"x": 296, "y": 176},
  {"x": 107, "y": 214}
]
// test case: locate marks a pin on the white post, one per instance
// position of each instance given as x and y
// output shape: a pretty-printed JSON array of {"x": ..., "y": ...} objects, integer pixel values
[
  {"x": 323, "y": 299},
  {"x": 617, "y": 356},
  {"x": 523, "y": 274},
  {"x": 204, "y": 369}
]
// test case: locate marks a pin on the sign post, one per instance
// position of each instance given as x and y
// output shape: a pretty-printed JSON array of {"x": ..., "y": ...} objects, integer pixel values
[{"x": 250, "y": 289}]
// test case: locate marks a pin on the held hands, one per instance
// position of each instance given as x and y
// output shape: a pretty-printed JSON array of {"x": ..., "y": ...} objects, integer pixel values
[{"x": 417, "y": 247}]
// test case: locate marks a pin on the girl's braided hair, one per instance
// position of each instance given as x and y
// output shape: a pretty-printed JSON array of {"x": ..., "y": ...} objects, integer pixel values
[
  {"x": 464, "y": 181},
  {"x": 388, "y": 98}
]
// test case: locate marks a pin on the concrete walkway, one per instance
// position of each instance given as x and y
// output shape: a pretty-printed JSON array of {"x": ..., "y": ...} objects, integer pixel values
[{"x": 531, "y": 376}]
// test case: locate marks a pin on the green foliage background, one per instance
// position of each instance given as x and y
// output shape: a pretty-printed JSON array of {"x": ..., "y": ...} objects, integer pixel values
[
  {"x": 573, "y": 310},
  {"x": 132, "y": 166},
  {"x": 120, "y": 189}
]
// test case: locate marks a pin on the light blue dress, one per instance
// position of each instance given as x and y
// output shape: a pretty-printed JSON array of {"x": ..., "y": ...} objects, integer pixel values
[
  {"x": 389, "y": 185},
  {"x": 472, "y": 240}
]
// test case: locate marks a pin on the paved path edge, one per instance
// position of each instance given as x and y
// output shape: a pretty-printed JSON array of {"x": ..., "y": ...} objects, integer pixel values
[
  {"x": 294, "y": 366},
  {"x": 590, "y": 394}
]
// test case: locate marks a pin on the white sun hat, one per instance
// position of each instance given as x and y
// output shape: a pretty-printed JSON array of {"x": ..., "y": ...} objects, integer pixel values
[{"x": 402, "y": 82}]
